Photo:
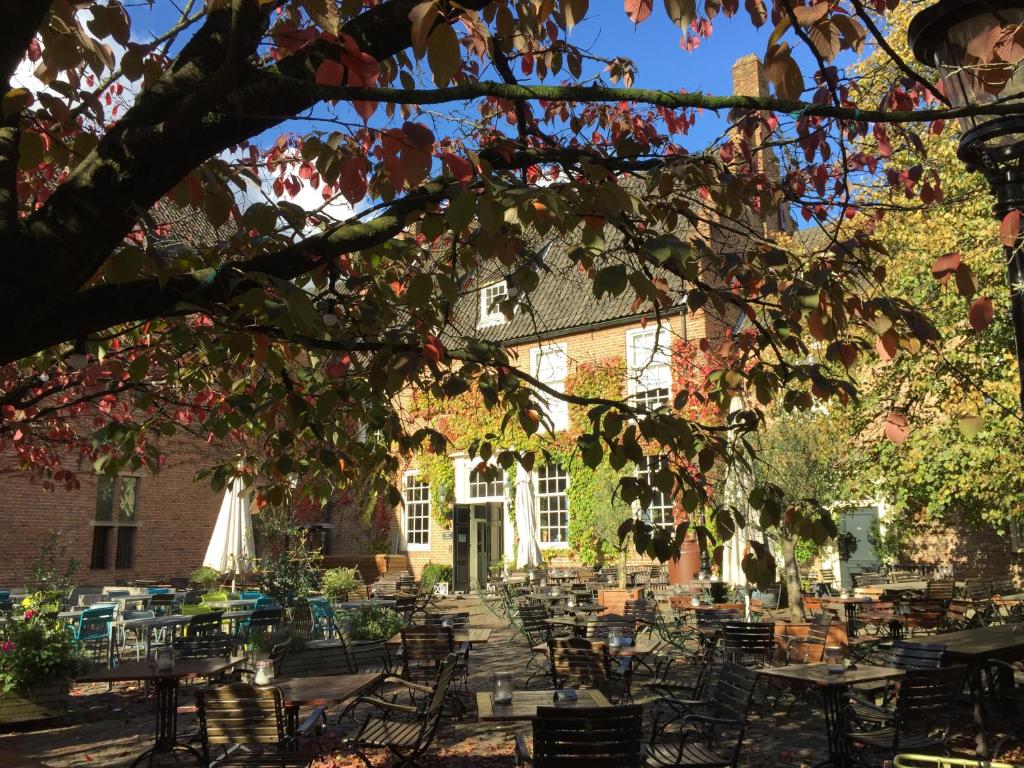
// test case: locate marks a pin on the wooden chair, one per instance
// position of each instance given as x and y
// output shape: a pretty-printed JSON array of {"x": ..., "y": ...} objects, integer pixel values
[
  {"x": 904, "y": 654},
  {"x": 240, "y": 715},
  {"x": 204, "y": 646},
  {"x": 406, "y": 730},
  {"x": 320, "y": 659},
  {"x": 598, "y": 627},
  {"x": 925, "y": 707},
  {"x": 812, "y": 606},
  {"x": 748, "y": 643},
  {"x": 707, "y": 723},
  {"x": 203, "y": 624},
  {"x": 405, "y": 606},
  {"x": 812, "y": 647},
  {"x": 579, "y": 663},
  {"x": 608, "y": 737},
  {"x": 454, "y": 620},
  {"x": 644, "y": 614},
  {"x": 424, "y": 650}
]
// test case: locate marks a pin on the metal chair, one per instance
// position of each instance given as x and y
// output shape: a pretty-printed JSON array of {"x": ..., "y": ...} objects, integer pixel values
[
  {"x": 609, "y": 737},
  {"x": 903, "y": 654},
  {"x": 749, "y": 643},
  {"x": 322, "y": 616},
  {"x": 384, "y": 727},
  {"x": 92, "y": 630},
  {"x": 580, "y": 663},
  {"x": 813, "y": 645}
]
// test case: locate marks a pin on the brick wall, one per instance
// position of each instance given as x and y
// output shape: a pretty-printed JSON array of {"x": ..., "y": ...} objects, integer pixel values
[
  {"x": 971, "y": 552},
  {"x": 175, "y": 519}
]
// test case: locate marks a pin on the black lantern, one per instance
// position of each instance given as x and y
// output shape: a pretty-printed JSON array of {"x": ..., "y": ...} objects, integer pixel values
[{"x": 977, "y": 46}]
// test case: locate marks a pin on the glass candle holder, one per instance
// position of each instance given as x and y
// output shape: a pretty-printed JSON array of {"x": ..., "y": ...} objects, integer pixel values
[
  {"x": 502, "y": 690},
  {"x": 264, "y": 672},
  {"x": 834, "y": 655},
  {"x": 570, "y": 603}
]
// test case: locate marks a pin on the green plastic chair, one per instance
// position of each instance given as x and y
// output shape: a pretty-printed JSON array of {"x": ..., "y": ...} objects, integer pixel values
[
  {"x": 938, "y": 761},
  {"x": 210, "y": 596}
]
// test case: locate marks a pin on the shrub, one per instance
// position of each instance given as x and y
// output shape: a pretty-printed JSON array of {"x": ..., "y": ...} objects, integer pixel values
[
  {"x": 204, "y": 577},
  {"x": 371, "y": 623},
  {"x": 38, "y": 651},
  {"x": 434, "y": 574},
  {"x": 337, "y": 583}
]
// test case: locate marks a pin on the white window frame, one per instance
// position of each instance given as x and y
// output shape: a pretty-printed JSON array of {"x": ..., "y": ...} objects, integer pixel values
[
  {"x": 554, "y": 376},
  {"x": 414, "y": 546},
  {"x": 540, "y": 496},
  {"x": 490, "y": 313},
  {"x": 654, "y": 371},
  {"x": 470, "y": 482},
  {"x": 661, "y": 503}
]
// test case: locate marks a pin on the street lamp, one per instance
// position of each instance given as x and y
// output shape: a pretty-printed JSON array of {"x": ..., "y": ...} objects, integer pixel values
[{"x": 977, "y": 46}]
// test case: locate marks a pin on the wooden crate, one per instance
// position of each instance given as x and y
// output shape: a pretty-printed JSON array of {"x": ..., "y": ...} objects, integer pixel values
[{"x": 42, "y": 703}]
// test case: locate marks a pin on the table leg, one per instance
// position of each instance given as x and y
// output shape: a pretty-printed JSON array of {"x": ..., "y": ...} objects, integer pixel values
[
  {"x": 835, "y": 727},
  {"x": 851, "y": 627},
  {"x": 166, "y": 742},
  {"x": 977, "y": 700}
]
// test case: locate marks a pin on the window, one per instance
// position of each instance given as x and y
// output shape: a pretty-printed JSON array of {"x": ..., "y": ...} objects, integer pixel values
[
  {"x": 550, "y": 364},
  {"x": 417, "y": 512},
  {"x": 659, "y": 511},
  {"x": 480, "y": 487},
  {"x": 490, "y": 298},
  {"x": 650, "y": 371},
  {"x": 117, "y": 501},
  {"x": 552, "y": 505}
]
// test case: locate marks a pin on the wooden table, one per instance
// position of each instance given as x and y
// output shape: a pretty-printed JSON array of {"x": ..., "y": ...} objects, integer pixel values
[
  {"x": 471, "y": 636},
  {"x": 166, "y": 689},
  {"x": 639, "y": 649},
  {"x": 525, "y": 703},
  {"x": 972, "y": 647},
  {"x": 833, "y": 686},
  {"x": 321, "y": 691}
]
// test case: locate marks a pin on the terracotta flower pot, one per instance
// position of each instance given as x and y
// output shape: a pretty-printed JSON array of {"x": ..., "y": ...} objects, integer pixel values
[{"x": 614, "y": 600}]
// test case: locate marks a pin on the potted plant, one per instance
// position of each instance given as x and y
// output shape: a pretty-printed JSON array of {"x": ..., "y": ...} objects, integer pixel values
[
  {"x": 338, "y": 583},
  {"x": 204, "y": 578},
  {"x": 373, "y": 623},
  {"x": 38, "y": 661},
  {"x": 436, "y": 578}
]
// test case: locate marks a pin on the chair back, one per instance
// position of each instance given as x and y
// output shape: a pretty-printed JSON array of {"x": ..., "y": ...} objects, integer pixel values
[
  {"x": 598, "y": 627},
  {"x": 424, "y": 649},
  {"x": 812, "y": 605},
  {"x": 250, "y": 595},
  {"x": 212, "y": 597},
  {"x": 926, "y": 702},
  {"x": 978, "y": 589},
  {"x": 265, "y": 603},
  {"x": 750, "y": 643},
  {"x": 598, "y": 737},
  {"x": 442, "y": 682},
  {"x": 265, "y": 620},
  {"x": 205, "y": 646},
  {"x": 643, "y": 612},
  {"x": 907, "y": 654},
  {"x": 204, "y": 624},
  {"x": 240, "y": 714},
  {"x": 369, "y": 656},
  {"x": 817, "y": 637},
  {"x": 533, "y": 623},
  {"x": 940, "y": 590},
  {"x": 327, "y": 659},
  {"x": 576, "y": 662},
  {"x": 405, "y": 584},
  {"x": 733, "y": 691},
  {"x": 716, "y": 617},
  {"x": 162, "y": 603},
  {"x": 455, "y": 620},
  {"x": 94, "y": 624},
  {"x": 405, "y": 606},
  {"x": 149, "y": 613}
]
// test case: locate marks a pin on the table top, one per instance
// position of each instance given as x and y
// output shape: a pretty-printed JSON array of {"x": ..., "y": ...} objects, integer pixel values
[
  {"x": 642, "y": 647},
  {"x": 228, "y": 603},
  {"x": 818, "y": 674},
  {"x": 155, "y": 621},
  {"x": 525, "y": 703},
  {"x": 234, "y": 615},
  {"x": 348, "y": 605},
  {"x": 895, "y": 586},
  {"x": 849, "y": 599},
  {"x": 325, "y": 690},
  {"x": 982, "y": 642},
  {"x": 471, "y": 636},
  {"x": 146, "y": 670}
]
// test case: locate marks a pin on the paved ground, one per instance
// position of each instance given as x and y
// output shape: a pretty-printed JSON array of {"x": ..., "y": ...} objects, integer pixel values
[{"x": 109, "y": 729}]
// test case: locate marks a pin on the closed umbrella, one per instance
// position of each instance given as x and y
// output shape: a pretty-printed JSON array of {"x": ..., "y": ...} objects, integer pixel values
[
  {"x": 231, "y": 545},
  {"x": 528, "y": 551}
]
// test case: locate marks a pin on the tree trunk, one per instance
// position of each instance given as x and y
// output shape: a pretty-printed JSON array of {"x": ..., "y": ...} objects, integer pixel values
[{"x": 796, "y": 606}]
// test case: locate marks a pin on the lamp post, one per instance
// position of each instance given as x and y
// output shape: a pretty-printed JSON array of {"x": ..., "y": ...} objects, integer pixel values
[{"x": 973, "y": 44}]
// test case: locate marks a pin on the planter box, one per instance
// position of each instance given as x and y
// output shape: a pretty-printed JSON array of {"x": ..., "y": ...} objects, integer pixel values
[
  {"x": 614, "y": 600},
  {"x": 42, "y": 703}
]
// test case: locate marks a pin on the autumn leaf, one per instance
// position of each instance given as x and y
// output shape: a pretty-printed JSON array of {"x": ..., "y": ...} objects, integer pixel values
[
  {"x": 639, "y": 10},
  {"x": 353, "y": 179},
  {"x": 897, "y": 428},
  {"x": 971, "y": 425},
  {"x": 443, "y": 54},
  {"x": 887, "y": 344},
  {"x": 330, "y": 73},
  {"x": 945, "y": 265},
  {"x": 681, "y": 12},
  {"x": 458, "y": 167},
  {"x": 981, "y": 313},
  {"x": 1009, "y": 229}
]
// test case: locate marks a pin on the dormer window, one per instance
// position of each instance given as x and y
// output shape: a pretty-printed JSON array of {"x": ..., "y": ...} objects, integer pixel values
[{"x": 491, "y": 297}]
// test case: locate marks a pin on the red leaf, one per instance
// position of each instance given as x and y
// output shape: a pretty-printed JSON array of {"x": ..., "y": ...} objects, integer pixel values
[
  {"x": 391, "y": 145},
  {"x": 966, "y": 282},
  {"x": 330, "y": 73},
  {"x": 458, "y": 167},
  {"x": 1009, "y": 229},
  {"x": 886, "y": 345},
  {"x": 897, "y": 429},
  {"x": 639, "y": 10},
  {"x": 353, "y": 179},
  {"x": 981, "y": 313},
  {"x": 945, "y": 266}
]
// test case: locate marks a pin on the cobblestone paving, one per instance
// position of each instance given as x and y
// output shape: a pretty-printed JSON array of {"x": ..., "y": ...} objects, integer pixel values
[{"x": 109, "y": 729}]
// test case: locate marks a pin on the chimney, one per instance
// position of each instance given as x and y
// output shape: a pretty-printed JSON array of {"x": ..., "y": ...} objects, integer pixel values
[{"x": 748, "y": 79}]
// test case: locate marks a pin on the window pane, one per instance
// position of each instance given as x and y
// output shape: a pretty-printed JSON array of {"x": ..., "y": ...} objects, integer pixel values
[
  {"x": 100, "y": 541},
  {"x": 128, "y": 498},
  {"x": 659, "y": 512},
  {"x": 417, "y": 511},
  {"x": 105, "y": 497},
  {"x": 482, "y": 488},
  {"x": 125, "y": 547},
  {"x": 552, "y": 504}
]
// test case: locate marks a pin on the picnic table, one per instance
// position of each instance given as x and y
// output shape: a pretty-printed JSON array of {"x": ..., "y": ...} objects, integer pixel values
[
  {"x": 459, "y": 636},
  {"x": 833, "y": 686},
  {"x": 166, "y": 699},
  {"x": 321, "y": 691},
  {"x": 972, "y": 647},
  {"x": 523, "y": 707}
]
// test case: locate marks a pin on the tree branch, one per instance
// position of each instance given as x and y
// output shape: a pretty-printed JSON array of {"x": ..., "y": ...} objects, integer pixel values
[{"x": 22, "y": 19}]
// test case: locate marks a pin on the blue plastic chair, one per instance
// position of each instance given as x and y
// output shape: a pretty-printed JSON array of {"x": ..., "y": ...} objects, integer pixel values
[
  {"x": 323, "y": 618},
  {"x": 250, "y": 595},
  {"x": 159, "y": 590},
  {"x": 263, "y": 603}
]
